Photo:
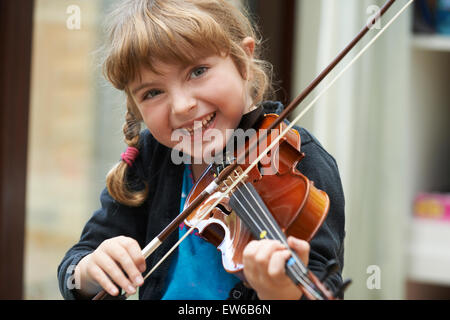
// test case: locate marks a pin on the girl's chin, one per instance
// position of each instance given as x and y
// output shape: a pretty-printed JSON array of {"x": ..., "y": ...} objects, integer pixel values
[
  {"x": 206, "y": 150},
  {"x": 207, "y": 154}
]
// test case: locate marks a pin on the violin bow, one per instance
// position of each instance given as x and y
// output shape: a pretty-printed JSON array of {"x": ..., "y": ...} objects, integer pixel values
[{"x": 214, "y": 185}]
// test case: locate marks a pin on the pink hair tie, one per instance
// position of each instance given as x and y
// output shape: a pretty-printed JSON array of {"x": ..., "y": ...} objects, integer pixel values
[{"x": 130, "y": 155}]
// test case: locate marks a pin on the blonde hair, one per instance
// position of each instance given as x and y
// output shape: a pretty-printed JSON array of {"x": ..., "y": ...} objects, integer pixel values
[{"x": 142, "y": 32}]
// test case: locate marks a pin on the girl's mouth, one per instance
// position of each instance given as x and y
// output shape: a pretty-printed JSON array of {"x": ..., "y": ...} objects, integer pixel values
[{"x": 200, "y": 125}]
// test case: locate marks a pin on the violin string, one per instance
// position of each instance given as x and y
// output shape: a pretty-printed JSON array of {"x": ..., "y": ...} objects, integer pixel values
[
  {"x": 298, "y": 269},
  {"x": 299, "y": 276},
  {"x": 268, "y": 224},
  {"x": 272, "y": 224},
  {"x": 283, "y": 133},
  {"x": 275, "y": 233}
]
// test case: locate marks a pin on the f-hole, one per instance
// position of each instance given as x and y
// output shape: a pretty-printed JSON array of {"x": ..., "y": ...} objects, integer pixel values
[
  {"x": 223, "y": 209},
  {"x": 214, "y": 233}
]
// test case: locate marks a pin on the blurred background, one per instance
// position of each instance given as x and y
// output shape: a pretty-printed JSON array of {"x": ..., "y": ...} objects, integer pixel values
[{"x": 385, "y": 122}]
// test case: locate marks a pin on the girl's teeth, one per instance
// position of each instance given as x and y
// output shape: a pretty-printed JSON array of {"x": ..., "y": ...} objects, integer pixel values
[{"x": 200, "y": 124}]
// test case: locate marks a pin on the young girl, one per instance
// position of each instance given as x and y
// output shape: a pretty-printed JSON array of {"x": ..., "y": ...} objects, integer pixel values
[{"x": 190, "y": 67}]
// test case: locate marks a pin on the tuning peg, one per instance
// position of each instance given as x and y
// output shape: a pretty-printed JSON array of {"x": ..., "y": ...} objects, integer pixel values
[
  {"x": 331, "y": 267},
  {"x": 340, "y": 291}
]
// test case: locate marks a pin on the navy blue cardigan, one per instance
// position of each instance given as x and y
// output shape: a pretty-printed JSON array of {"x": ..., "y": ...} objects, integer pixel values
[{"x": 162, "y": 206}]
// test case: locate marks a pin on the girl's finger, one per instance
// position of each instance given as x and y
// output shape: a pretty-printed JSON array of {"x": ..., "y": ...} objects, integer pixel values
[
  {"x": 132, "y": 260},
  {"x": 96, "y": 273},
  {"x": 121, "y": 255},
  {"x": 135, "y": 252},
  {"x": 301, "y": 247},
  {"x": 248, "y": 256},
  {"x": 265, "y": 250},
  {"x": 112, "y": 269},
  {"x": 250, "y": 249},
  {"x": 276, "y": 268}
]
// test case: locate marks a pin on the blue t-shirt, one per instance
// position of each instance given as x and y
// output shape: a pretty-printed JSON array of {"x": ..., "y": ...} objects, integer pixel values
[{"x": 197, "y": 272}]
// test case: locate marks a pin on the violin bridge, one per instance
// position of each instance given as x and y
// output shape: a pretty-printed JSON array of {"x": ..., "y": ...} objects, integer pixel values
[
  {"x": 225, "y": 163},
  {"x": 234, "y": 176}
]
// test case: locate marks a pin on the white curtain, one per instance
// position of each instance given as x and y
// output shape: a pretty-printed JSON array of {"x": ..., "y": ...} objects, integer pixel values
[{"x": 363, "y": 122}]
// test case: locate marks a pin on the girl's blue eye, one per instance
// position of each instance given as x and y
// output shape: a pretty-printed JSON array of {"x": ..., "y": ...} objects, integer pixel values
[
  {"x": 198, "y": 72},
  {"x": 151, "y": 94}
]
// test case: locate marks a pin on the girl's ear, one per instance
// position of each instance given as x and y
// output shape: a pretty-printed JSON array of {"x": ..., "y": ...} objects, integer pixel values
[{"x": 248, "y": 44}]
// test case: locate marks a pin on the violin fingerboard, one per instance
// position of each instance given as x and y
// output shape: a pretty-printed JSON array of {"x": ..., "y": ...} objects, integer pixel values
[{"x": 252, "y": 210}]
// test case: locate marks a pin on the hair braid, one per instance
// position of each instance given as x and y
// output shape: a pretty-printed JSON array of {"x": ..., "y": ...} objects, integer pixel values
[{"x": 116, "y": 180}]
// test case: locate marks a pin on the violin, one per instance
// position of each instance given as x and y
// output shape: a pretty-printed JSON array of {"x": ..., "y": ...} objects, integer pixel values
[
  {"x": 275, "y": 201},
  {"x": 234, "y": 202}
]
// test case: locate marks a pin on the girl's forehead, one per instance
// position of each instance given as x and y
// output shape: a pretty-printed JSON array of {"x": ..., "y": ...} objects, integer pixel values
[{"x": 160, "y": 68}]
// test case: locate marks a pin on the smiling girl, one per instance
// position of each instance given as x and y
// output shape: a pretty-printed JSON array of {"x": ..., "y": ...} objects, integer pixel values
[{"x": 190, "y": 68}]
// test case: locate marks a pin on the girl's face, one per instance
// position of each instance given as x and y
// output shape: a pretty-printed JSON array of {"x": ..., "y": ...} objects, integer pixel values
[{"x": 190, "y": 108}]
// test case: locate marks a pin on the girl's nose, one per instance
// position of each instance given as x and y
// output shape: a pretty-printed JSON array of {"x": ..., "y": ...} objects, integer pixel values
[{"x": 183, "y": 103}]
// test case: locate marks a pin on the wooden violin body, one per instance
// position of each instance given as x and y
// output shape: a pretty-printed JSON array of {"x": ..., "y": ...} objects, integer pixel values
[{"x": 297, "y": 205}]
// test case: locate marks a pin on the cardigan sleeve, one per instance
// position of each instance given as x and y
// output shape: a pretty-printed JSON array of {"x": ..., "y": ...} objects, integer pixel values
[
  {"x": 328, "y": 243},
  {"x": 112, "y": 220}
]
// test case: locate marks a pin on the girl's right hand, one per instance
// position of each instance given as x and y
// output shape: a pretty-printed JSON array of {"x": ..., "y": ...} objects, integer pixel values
[{"x": 116, "y": 261}]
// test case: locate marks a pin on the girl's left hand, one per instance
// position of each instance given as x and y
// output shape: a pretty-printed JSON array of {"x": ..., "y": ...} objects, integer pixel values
[{"x": 264, "y": 268}]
